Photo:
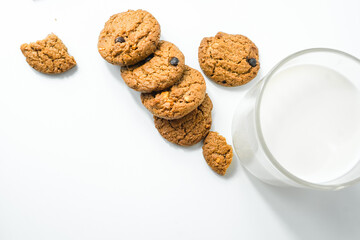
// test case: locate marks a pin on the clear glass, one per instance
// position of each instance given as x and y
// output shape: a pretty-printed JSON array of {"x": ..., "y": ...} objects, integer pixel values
[{"x": 248, "y": 139}]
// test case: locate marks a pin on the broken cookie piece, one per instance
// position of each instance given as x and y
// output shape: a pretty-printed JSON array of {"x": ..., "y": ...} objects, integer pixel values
[
  {"x": 48, "y": 55},
  {"x": 217, "y": 153}
]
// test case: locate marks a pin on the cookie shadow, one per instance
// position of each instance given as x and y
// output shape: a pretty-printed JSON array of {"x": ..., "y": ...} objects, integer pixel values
[
  {"x": 137, "y": 99},
  {"x": 192, "y": 148},
  {"x": 62, "y": 76},
  {"x": 244, "y": 87},
  {"x": 311, "y": 214},
  {"x": 115, "y": 71},
  {"x": 231, "y": 171},
  {"x": 233, "y": 168}
]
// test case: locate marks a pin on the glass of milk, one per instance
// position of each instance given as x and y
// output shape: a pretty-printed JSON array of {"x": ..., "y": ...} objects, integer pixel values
[{"x": 300, "y": 125}]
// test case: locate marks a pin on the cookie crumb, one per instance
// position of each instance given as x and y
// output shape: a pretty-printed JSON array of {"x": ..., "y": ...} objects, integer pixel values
[{"x": 217, "y": 153}]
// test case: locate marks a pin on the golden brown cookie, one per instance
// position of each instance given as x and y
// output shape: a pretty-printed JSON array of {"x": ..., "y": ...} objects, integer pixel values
[
  {"x": 217, "y": 153},
  {"x": 48, "y": 55},
  {"x": 188, "y": 130},
  {"x": 229, "y": 60},
  {"x": 129, "y": 37},
  {"x": 178, "y": 100},
  {"x": 158, "y": 71}
]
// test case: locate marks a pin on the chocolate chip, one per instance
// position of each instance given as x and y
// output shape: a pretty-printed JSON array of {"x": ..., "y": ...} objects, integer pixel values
[
  {"x": 224, "y": 81},
  {"x": 149, "y": 58},
  {"x": 252, "y": 62},
  {"x": 119, "y": 40},
  {"x": 174, "y": 61}
]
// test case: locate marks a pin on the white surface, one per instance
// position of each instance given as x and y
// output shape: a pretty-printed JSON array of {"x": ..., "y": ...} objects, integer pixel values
[
  {"x": 81, "y": 159},
  {"x": 310, "y": 117}
]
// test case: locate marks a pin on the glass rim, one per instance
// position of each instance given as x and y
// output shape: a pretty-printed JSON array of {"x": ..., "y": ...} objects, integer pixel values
[{"x": 262, "y": 141}]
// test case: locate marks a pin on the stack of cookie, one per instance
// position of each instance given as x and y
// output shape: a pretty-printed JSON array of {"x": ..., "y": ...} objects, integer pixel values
[{"x": 172, "y": 91}]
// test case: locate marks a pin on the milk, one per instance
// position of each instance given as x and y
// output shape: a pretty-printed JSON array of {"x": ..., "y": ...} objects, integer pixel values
[{"x": 310, "y": 119}]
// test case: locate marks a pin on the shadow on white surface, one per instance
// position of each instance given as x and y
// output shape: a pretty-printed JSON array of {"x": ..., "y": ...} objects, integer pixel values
[
  {"x": 136, "y": 96},
  {"x": 192, "y": 148},
  {"x": 60, "y": 76},
  {"x": 233, "y": 168},
  {"x": 311, "y": 214},
  {"x": 115, "y": 71},
  {"x": 240, "y": 88}
]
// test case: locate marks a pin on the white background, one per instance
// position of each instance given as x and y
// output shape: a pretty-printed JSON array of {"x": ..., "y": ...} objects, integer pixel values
[{"x": 80, "y": 157}]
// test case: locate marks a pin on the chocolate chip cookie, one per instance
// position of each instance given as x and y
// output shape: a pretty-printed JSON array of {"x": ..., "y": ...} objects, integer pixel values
[
  {"x": 158, "y": 71},
  {"x": 217, "y": 153},
  {"x": 129, "y": 37},
  {"x": 188, "y": 130},
  {"x": 229, "y": 60},
  {"x": 178, "y": 100},
  {"x": 48, "y": 55}
]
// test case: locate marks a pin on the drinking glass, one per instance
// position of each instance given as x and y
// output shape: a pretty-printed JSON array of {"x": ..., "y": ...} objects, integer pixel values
[{"x": 248, "y": 140}]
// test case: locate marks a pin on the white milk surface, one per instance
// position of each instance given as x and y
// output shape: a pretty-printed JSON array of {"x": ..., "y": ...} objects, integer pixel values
[{"x": 310, "y": 118}]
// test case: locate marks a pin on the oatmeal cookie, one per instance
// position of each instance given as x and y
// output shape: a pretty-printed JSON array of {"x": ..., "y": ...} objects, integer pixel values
[
  {"x": 48, "y": 55},
  {"x": 178, "y": 100},
  {"x": 158, "y": 71},
  {"x": 129, "y": 37},
  {"x": 188, "y": 130},
  {"x": 229, "y": 60}
]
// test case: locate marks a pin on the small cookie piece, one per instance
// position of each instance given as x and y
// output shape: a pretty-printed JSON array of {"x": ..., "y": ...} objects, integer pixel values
[
  {"x": 129, "y": 37},
  {"x": 48, "y": 55},
  {"x": 178, "y": 100},
  {"x": 158, "y": 71},
  {"x": 188, "y": 130},
  {"x": 229, "y": 60},
  {"x": 217, "y": 153}
]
